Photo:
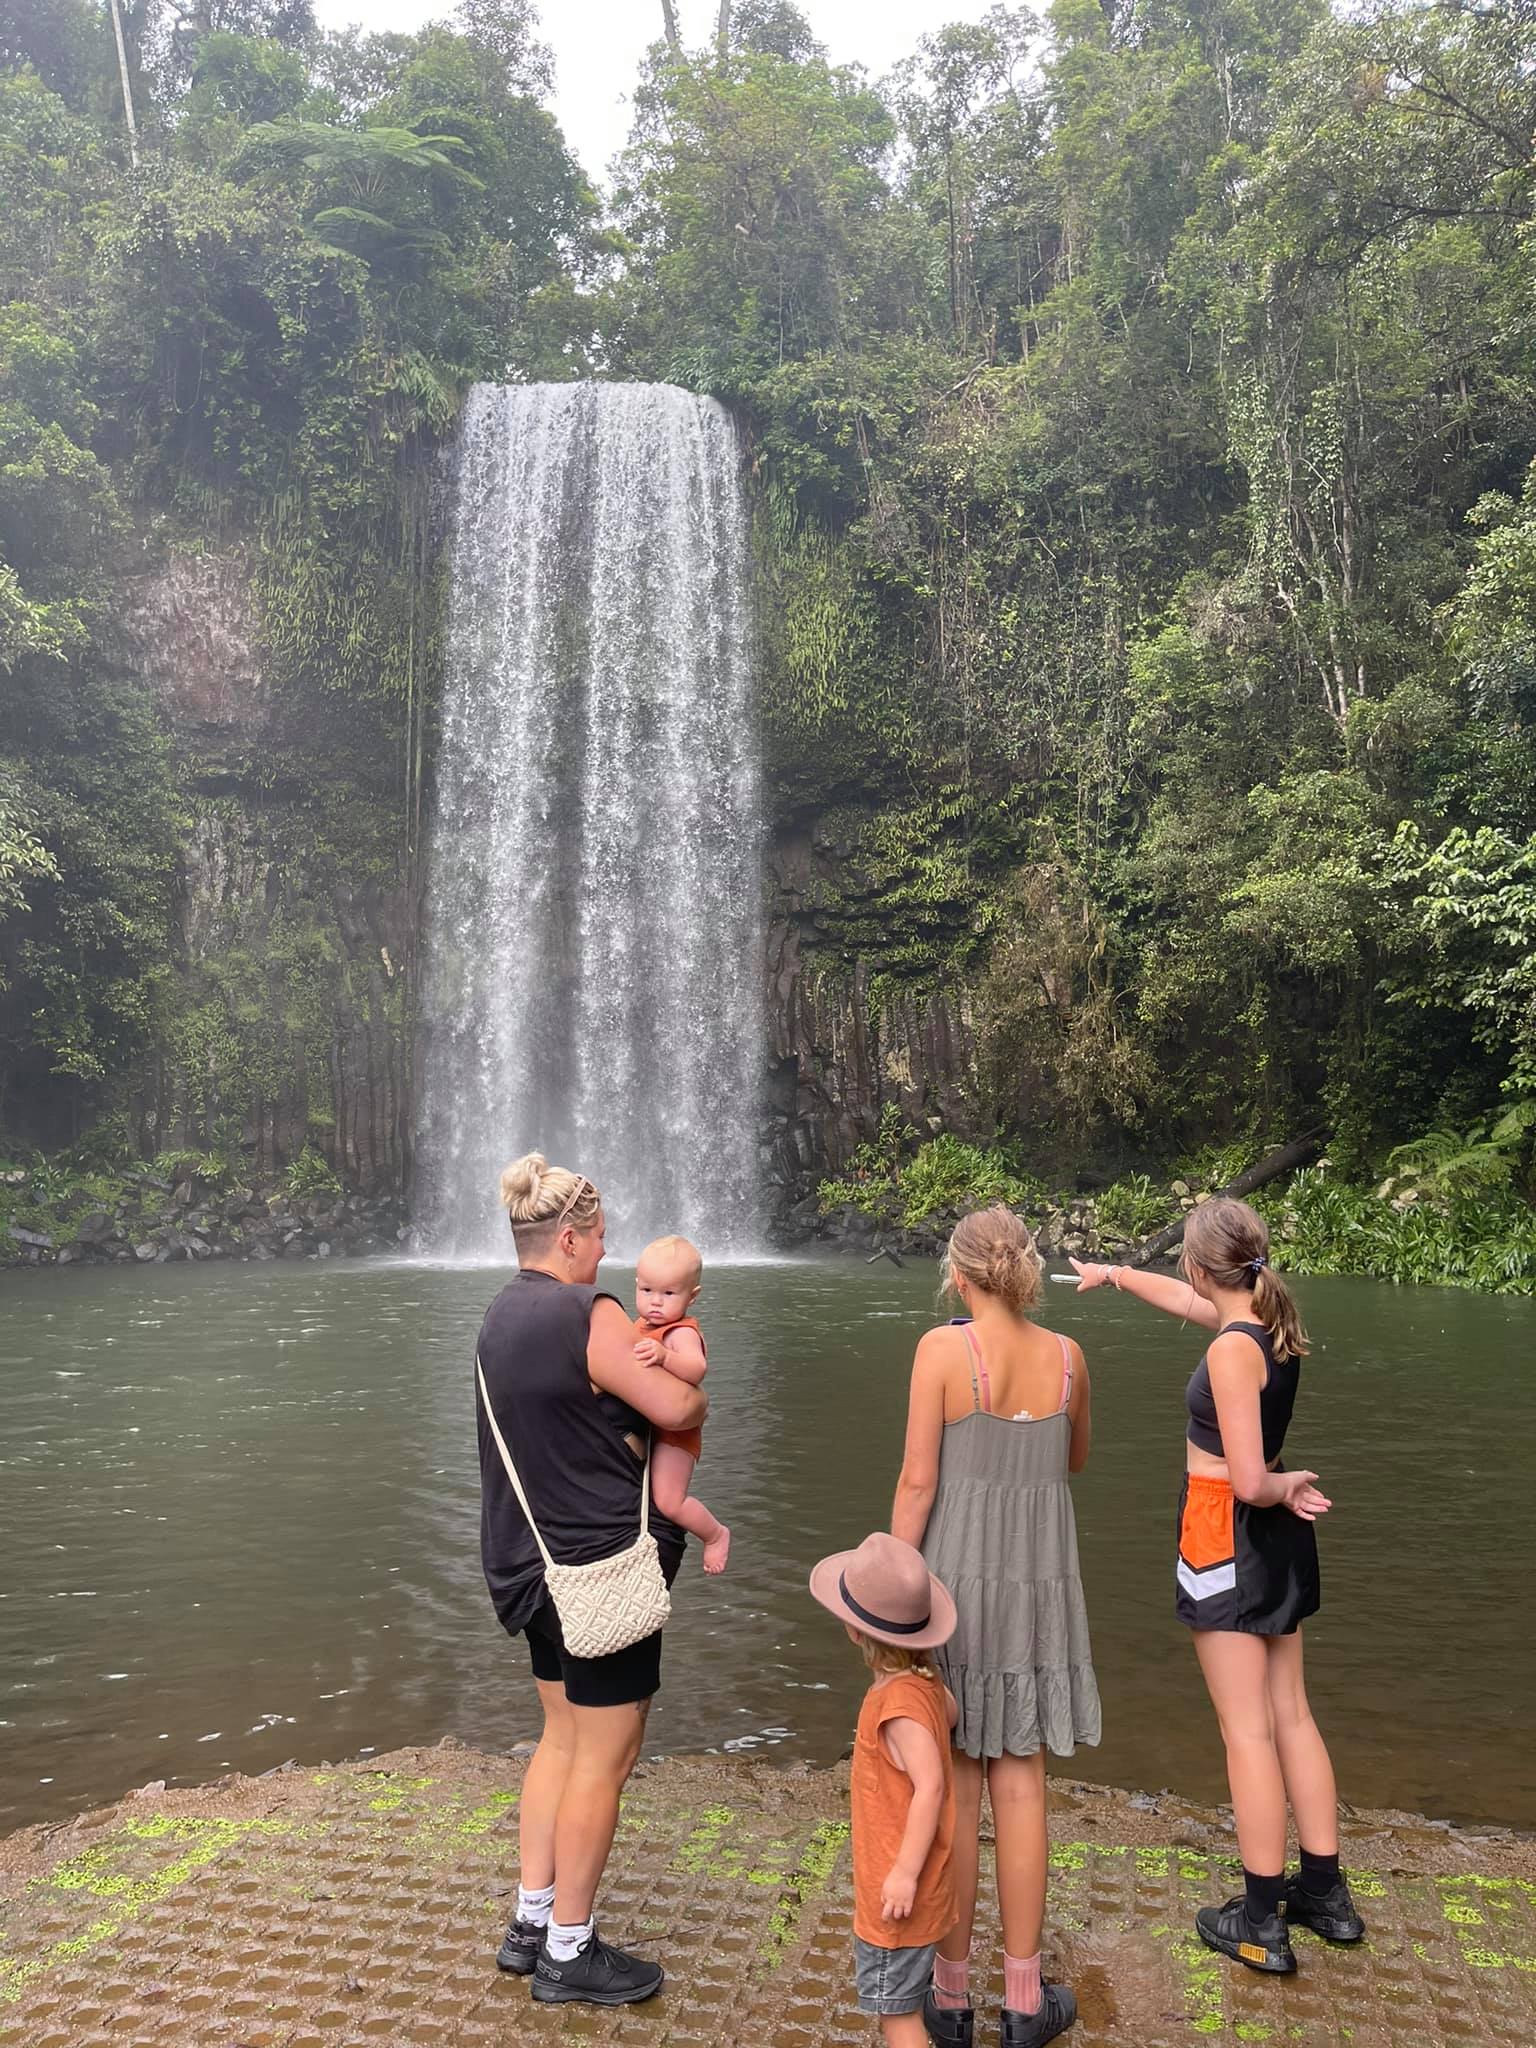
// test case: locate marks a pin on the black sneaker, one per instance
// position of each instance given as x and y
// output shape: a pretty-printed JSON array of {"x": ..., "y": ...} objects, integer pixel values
[
  {"x": 949, "y": 2026},
  {"x": 519, "y": 1951},
  {"x": 1058, "y": 2009},
  {"x": 1331, "y": 1914},
  {"x": 595, "y": 1975},
  {"x": 1261, "y": 1944}
]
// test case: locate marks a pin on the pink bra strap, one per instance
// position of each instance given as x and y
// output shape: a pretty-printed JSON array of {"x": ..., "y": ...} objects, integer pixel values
[
  {"x": 1066, "y": 1372},
  {"x": 982, "y": 1396}
]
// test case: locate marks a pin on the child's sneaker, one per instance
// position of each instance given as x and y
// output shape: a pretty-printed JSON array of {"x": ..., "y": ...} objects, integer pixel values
[
  {"x": 1058, "y": 2009},
  {"x": 948, "y": 2026}
]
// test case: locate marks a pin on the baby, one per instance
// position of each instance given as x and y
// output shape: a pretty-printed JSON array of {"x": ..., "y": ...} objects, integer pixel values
[{"x": 667, "y": 1278}]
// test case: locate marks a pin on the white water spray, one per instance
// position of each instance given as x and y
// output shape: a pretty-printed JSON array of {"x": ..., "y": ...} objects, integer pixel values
[{"x": 591, "y": 985}]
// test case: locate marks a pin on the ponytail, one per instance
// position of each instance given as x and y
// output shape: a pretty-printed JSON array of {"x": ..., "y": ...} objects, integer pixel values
[{"x": 1274, "y": 1306}]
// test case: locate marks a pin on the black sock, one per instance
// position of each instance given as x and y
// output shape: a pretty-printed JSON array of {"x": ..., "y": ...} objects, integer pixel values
[
  {"x": 1263, "y": 1894},
  {"x": 1319, "y": 1874}
]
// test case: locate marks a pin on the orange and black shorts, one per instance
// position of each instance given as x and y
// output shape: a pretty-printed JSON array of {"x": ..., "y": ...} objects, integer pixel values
[{"x": 1252, "y": 1570}]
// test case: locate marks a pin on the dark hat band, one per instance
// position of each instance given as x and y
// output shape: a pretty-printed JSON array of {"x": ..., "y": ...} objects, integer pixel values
[{"x": 893, "y": 1628}]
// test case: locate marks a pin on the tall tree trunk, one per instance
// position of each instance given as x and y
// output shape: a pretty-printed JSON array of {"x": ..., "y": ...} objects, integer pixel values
[
  {"x": 723, "y": 32},
  {"x": 122, "y": 70},
  {"x": 669, "y": 19}
]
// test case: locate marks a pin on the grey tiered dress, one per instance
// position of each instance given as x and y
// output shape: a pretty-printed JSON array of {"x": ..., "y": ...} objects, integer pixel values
[{"x": 1003, "y": 1538}]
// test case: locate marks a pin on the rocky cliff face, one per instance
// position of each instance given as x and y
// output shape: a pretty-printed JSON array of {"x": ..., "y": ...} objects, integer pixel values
[
  {"x": 844, "y": 1040},
  {"x": 296, "y": 910},
  {"x": 297, "y": 918}
]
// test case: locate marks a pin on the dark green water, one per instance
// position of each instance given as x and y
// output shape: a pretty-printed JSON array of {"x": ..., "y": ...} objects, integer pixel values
[{"x": 238, "y": 1523}]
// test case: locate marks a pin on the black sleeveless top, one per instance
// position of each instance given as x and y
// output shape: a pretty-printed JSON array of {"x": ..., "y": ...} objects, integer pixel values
[
  {"x": 1277, "y": 1397},
  {"x": 581, "y": 1478}
]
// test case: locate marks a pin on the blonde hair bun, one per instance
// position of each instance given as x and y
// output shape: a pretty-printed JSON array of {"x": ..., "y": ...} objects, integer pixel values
[
  {"x": 521, "y": 1184},
  {"x": 993, "y": 1249},
  {"x": 536, "y": 1195}
]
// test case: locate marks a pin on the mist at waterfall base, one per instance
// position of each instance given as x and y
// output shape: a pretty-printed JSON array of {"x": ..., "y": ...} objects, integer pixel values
[{"x": 592, "y": 986}]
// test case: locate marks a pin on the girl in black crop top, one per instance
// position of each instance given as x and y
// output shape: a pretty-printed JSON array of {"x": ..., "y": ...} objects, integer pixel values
[{"x": 1247, "y": 1577}]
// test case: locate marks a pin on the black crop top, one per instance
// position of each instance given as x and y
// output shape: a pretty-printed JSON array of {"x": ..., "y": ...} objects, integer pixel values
[{"x": 1277, "y": 1397}]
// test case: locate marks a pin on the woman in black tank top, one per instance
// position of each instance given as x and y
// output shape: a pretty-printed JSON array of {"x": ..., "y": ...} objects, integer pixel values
[
  {"x": 557, "y": 1359},
  {"x": 1247, "y": 1577}
]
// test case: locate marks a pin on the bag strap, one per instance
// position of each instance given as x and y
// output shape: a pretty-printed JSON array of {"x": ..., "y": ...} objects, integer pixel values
[{"x": 517, "y": 1484}]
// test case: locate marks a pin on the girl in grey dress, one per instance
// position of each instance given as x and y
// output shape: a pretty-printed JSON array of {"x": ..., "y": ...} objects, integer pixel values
[{"x": 999, "y": 1418}]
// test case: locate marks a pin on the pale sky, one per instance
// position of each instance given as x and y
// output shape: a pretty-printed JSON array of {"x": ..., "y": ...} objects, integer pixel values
[{"x": 598, "y": 45}]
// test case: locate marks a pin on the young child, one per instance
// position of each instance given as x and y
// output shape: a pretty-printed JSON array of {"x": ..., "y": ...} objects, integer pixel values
[
  {"x": 667, "y": 1278},
  {"x": 902, "y": 1789}
]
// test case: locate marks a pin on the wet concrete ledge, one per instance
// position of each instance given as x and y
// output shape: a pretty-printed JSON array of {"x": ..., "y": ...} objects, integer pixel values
[{"x": 338, "y": 1907}]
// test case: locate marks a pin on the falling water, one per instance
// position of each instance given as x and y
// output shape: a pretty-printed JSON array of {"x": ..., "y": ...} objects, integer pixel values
[{"x": 592, "y": 987}]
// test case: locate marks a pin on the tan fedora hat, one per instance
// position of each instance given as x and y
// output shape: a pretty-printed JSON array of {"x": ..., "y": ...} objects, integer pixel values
[{"x": 884, "y": 1590}]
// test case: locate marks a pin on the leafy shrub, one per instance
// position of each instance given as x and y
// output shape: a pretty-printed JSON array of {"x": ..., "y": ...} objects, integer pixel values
[
  {"x": 1442, "y": 1163},
  {"x": 943, "y": 1174},
  {"x": 949, "y": 1174},
  {"x": 1135, "y": 1205},
  {"x": 1485, "y": 1239},
  {"x": 54, "y": 1198},
  {"x": 309, "y": 1177},
  {"x": 183, "y": 1162}
]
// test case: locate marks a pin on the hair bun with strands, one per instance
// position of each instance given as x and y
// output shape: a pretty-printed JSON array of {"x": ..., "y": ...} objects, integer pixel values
[
  {"x": 533, "y": 1193},
  {"x": 520, "y": 1186},
  {"x": 993, "y": 1250}
]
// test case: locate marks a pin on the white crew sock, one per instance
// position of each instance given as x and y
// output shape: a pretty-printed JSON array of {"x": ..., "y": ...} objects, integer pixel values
[
  {"x": 564, "y": 1943},
  {"x": 535, "y": 1909}
]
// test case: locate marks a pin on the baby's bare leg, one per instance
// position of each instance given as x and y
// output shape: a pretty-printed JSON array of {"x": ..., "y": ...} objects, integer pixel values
[{"x": 671, "y": 1477}]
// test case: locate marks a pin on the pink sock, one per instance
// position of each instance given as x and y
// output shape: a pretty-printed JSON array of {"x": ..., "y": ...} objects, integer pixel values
[
  {"x": 952, "y": 1983},
  {"x": 1021, "y": 1983}
]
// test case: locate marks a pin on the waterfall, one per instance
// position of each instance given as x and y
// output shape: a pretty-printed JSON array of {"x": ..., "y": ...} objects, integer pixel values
[{"x": 591, "y": 986}]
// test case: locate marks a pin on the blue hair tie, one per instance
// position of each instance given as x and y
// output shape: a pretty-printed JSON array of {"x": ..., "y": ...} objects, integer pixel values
[{"x": 1257, "y": 1265}]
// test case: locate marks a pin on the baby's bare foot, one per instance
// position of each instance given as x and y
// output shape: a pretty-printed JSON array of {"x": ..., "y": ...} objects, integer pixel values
[{"x": 716, "y": 1551}]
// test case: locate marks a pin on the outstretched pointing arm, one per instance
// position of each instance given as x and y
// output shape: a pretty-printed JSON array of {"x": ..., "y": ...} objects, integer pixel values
[{"x": 1157, "y": 1290}]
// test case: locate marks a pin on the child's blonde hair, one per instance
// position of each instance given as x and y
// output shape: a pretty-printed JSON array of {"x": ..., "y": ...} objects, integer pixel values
[
  {"x": 885, "y": 1658},
  {"x": 687, "y": 1256}
]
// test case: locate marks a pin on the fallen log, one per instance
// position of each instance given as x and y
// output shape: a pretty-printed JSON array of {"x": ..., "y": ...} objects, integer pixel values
[{"x": 1283, "y": 1160}]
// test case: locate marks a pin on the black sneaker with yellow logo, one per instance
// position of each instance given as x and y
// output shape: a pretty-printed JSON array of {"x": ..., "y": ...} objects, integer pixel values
[{"x": 1261, "y": 1944}]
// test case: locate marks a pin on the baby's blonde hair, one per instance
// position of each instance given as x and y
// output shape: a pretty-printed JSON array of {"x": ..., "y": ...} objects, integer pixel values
[
  {"x": 687, "y": 1256},
  {"x": 537, "y": 1195},
  {"x": 993, "y": 1250},
  {"x": 885, "y": 1658}
]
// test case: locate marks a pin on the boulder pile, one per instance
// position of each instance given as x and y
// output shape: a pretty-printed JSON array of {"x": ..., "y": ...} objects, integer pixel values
[{"x": 154, "y": 1222}]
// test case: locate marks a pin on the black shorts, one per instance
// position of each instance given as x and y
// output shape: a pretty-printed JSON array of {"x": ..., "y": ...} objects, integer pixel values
[
  {"x": 1252, "y": 1571},
  {"x": 622, "y": 1679}
]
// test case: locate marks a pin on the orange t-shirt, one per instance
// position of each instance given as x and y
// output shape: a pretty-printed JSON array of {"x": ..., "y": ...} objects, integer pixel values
[
  {"x": 880, "y": 1793},
  {"x": 689, "y": 1440}
]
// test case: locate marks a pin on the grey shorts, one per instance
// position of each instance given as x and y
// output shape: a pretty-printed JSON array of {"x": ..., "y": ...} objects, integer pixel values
[{"x": 892, "y": 1980}]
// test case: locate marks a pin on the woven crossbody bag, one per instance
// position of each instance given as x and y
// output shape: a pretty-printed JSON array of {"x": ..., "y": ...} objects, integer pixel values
[{"x": 604, "y": 1606}]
